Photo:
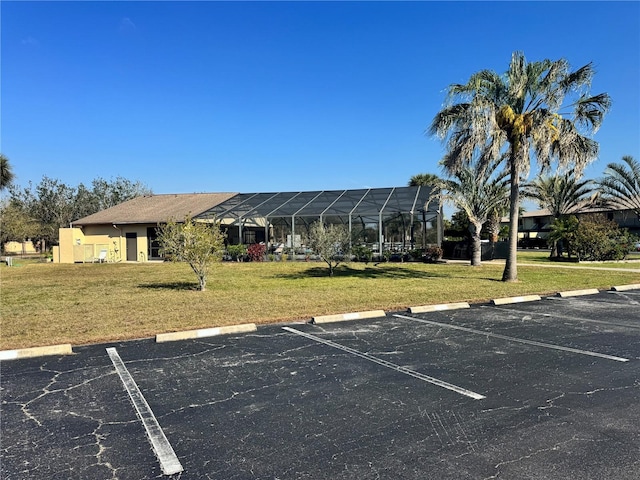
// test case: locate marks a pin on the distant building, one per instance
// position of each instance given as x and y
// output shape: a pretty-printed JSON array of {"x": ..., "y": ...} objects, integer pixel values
[
  {"x": 534, "y": 226},
  {"x": 20, "y": 248}
]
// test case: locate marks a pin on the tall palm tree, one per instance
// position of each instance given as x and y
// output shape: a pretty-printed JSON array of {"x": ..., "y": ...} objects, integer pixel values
[
  {"x": 620, "y": 185},
  {"x": 539, "y": 109},
  {"x": 477, "y": 191},
  {"x": 561, "y": 195},
  {"x": 6, "y": 173}
]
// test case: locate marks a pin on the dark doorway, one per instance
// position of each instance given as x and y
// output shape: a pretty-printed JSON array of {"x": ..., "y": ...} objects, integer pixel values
[
  {"x": 132, "y": 247},
  {"x": 154, "y": 244}
]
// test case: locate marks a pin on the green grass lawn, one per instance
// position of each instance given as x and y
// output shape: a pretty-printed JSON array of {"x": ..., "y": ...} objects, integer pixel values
[
  {"x": 44, "y": 303},
  {"x": 542, "y": 256}
]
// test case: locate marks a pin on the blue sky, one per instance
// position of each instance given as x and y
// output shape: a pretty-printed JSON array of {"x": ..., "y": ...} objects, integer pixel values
[{"x": 279, "y": 96}]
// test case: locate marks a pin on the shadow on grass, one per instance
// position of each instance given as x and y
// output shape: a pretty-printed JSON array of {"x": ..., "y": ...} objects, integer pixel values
[
  {"x": 368, "y": 272},
  {"x": 170, "y": 286}
]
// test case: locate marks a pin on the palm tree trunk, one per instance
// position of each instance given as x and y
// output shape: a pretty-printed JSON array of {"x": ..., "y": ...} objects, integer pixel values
[
  {"x": 510, "y": 273},
  {"x": 476, "y": 255},
  {"x": 554, "y": 243}
]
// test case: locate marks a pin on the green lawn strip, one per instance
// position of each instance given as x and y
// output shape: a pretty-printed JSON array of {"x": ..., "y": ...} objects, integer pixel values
[
  {"x": 542, "y": 256},
  {"x": 44, "y": 304}
]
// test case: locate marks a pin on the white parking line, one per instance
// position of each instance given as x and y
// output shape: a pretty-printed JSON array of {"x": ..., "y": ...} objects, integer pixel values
[
  {"x": 626, "y": 296},
  {"x": 563, "y": 317},
  {"x": 514, "y": 339},
  {"x": 168, "y": 460},
  {"x": 392, "y": 366}
]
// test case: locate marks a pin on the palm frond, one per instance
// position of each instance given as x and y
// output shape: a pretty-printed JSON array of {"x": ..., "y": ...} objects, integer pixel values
[
  {"x": 590, "y": 111},
  {"x": 446, "y": 118},
  {"x": 578, "y": 78},
  {"x": 549, "y": 91},
  {"x": 561, "y": 193},
  {"x": 573, "y": 148},
  {"x": 620, "y": 185}
]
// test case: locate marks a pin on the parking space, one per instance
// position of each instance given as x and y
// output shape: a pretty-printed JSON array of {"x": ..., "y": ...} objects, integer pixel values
[{"x": 546, "y": 389}]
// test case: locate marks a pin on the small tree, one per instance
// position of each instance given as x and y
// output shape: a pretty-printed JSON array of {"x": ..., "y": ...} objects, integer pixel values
[
  {"x": 197, "y": 243},
  {"x": 332, "y": 243},
  {"x": 562, "y": 232}
]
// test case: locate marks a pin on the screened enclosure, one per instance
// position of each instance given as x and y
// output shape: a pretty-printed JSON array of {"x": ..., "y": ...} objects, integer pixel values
[{"x": 394, "y": 219}]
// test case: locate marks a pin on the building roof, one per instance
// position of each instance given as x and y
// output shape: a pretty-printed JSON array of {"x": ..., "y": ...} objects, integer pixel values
[
  {"x": 156, "y": 208},
  {"x": 577, "y": 211},
  {"x": 545, "y": 212},
  {"x": 369, "y": 202}
]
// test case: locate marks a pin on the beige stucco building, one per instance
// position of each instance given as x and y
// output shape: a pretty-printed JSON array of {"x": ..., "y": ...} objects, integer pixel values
[
  {"x": 127, "y": 232},
  {"x": 20, "y": 248}
]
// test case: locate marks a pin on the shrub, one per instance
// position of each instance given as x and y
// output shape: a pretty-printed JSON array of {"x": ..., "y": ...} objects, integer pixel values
[
  {"x": 237, "y": 252},
  {"x": 256, "y": 252},
  {"x": 426, "y": 255},
  {"x": 432, "y": 254},
  {"x": 597, "y": 239},
  {"x": 362, "y": 253}
]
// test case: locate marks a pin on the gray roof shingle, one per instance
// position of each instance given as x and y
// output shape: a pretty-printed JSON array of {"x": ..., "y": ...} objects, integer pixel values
[{"x": 156, "y": 208}]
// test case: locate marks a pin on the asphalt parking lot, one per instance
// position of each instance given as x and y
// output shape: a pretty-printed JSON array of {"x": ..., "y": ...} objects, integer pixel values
[{"x": 538, "y": 390}]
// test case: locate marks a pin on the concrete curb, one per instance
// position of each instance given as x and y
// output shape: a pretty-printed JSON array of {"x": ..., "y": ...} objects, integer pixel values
[
  {"x": 205, "y": 332},
  {"x": 577, "y": 293},
  {"x": 348, "y": 316},
  {"x": 525, "y": 298},
  {"x": 64, "y": 349},
  {"x": 437, "y": 308},
  {"x": 622, "y": 288}
]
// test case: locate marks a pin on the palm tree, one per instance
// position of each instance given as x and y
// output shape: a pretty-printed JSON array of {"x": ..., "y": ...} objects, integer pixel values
[
  {"x": 561, "y": 195},
  {"x": 620, "y": 185},
  {"x": 477, "y": 191},
  {"x": 494, "y": 222},
  {"x": 521, "y": 114},
  {"x": 6, "y": 173},
  {"x": 424, "y": 180},
  {"x": 428, "y": 180}
]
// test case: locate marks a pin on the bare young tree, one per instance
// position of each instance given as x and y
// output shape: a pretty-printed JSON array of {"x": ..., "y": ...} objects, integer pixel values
[
  {"x": 199, "y": 244},
  {"x": 332, "y": 243}
]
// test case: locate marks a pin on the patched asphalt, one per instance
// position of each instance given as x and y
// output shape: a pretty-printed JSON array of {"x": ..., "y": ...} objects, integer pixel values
[{"x": 557, "y": 385}]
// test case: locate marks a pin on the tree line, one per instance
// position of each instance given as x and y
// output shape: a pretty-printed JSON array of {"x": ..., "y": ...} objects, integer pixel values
[{"x": 36, "y": 212}]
